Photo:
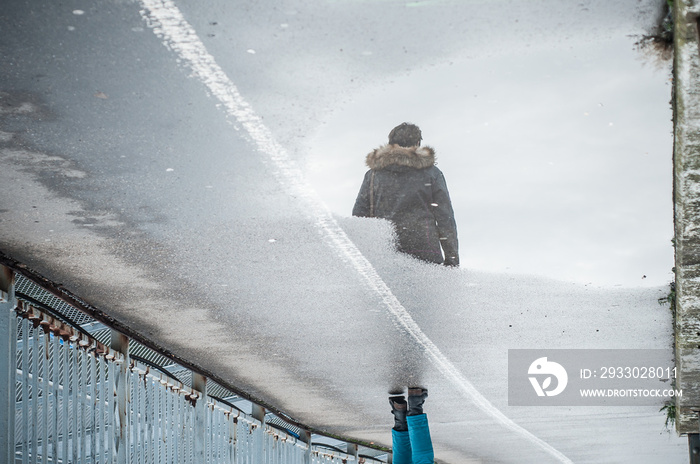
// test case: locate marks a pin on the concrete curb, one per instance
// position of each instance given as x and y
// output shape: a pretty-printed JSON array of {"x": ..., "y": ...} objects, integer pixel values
[{"x": 686, "y": 160}]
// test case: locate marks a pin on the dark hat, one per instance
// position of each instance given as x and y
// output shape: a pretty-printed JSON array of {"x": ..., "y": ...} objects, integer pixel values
[{"x": 406, "y": 135}]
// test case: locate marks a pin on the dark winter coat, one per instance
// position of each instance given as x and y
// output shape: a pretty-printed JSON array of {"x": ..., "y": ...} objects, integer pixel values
[{"x": 409, "y": 190}]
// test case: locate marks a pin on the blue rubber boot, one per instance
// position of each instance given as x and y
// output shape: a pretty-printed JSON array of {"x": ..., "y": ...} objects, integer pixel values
[{"x": 421, "y": 443}]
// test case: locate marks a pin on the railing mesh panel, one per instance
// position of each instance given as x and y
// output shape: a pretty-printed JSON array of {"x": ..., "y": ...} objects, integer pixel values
[{"x": 67, "y": 410}]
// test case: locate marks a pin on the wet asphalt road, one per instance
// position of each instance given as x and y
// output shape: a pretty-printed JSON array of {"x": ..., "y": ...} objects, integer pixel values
[{"x": 127, "y": 181}]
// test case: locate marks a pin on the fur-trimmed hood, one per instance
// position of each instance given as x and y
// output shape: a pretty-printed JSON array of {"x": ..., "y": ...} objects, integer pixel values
[{"x": 396, "y": 155}]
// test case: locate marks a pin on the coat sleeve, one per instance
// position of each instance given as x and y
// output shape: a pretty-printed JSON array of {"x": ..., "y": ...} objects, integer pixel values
[
  {"x": 362, "y": 202},
  {"x": 445, "y": 219}
]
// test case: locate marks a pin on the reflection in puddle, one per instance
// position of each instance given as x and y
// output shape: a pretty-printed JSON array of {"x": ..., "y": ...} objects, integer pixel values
[{"x": 558, "y": 162}]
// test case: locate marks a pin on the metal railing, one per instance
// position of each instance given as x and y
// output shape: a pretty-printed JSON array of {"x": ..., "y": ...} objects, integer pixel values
[{"x": 67, "y": 396}]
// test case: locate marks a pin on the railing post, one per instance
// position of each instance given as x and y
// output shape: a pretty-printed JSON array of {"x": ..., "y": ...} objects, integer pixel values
[
  {"x": 352, "y": 450},
  {"x": 199, "y": 384},
  {"x": 122, "y": 443},
  {"x": 8, "y": 364},
  {"x": 305, "y": 436},
  {"x": 258, "y": 412}
]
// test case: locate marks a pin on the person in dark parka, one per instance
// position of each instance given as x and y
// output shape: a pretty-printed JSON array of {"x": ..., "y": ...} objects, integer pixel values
[{"x": 404, "y": 186}]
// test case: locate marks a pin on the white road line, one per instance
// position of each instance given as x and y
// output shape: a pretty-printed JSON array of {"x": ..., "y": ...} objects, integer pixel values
[{"x": 167, "y": 23}]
